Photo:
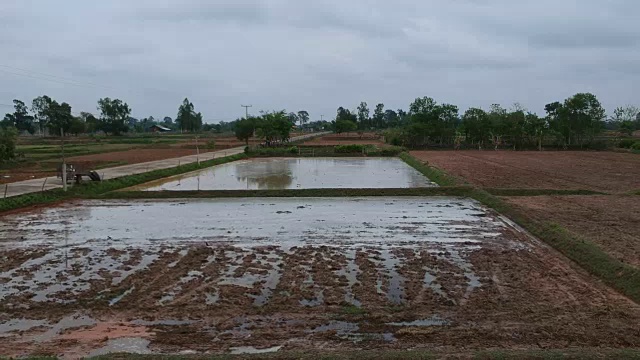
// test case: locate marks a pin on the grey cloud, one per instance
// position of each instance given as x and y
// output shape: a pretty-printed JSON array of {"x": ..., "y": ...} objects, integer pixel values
[{"x": 319, "y": 55}]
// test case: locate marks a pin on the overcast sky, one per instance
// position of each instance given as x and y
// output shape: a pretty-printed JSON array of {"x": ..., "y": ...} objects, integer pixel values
[{"x": 317, "y": 55}]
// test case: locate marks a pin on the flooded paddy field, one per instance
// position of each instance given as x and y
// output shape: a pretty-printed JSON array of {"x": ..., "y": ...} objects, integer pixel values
[
  {"x": 257, "y": 275},
  {"x": 297, "y": 173}
]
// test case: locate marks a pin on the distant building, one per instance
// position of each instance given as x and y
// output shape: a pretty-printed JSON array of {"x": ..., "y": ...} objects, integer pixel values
[{"x": 159, "y": 129}]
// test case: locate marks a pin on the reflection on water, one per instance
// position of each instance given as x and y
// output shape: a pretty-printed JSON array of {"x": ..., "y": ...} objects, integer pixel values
[{"x": 302, "y": 173}]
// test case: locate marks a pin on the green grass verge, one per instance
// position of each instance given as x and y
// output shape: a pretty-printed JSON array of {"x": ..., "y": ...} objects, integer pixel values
[
  {"x": 94, "y": 189},
  {"x": 433, "y": 191},
  {"x": 436, "y": 175},
  {"x": 622, "y": 277},
  {"x": 539, "y": 192}
]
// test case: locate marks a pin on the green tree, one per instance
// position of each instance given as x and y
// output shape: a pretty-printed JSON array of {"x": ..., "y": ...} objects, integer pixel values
[
  {"x": 536, "y": 128},
  {"x": 585, "y": 116},
  {"x": 303, "y": 116},
  {"x": 114, "y": 115},
  {"x": 391, "y": 118},
  {"x": 40, "y": 109},
  {"x": 91, "y": 122},
  {"x": 77, "y": 126},
  {"x": 624, "y": 119},
  {"x": 8, "y": 138},
  {"x": 345, "y": 114},
  {"x": 343, "y": 125},
  {"x": 363, "y": 116},
  {"x": 21, "y": 118},
  {"x": 188, "y": 119},
  {"x": 60, "y": 117},
  {"x": 244, "y": 129},
  {"x": 477, "y": 126},
  {"x": 274, "y": 126},
  {"x": 378, "y": 116}
]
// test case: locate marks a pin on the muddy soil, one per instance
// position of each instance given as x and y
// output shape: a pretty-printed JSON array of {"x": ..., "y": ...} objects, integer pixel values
[
  {"x": 598, "y": 171},
  {"x": 48, "y": 167},
  {"x": 611, "y": 222},
  {"x": 448, "y": 275}
]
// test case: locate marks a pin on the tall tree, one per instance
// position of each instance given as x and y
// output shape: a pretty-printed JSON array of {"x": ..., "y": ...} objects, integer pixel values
[
  {"x": 293, "y": 117},
  {"x": 114, "y": 115},
  {"x": 378, "y": 116},
  {"x": 585, "y": 116},
  {"x": 40, "y": 109},
  {"x": 244, "y": 129},
  {"x": 21, "y": 118},
  {"x": 188, "y": 119},
  {"x": 363, "y": 115},
  {"x": 303, "y": 116},
  {"x": 391, "y": 118},
  {"x": 60, "y": 117},
  {"x": 625, "y": 117}
]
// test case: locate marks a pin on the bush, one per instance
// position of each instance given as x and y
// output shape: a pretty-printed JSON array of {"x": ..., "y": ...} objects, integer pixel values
[
  {"x": 636, "y": 146},
  {"x": 348, "y": 149},
  {"x": 392, "y": 150},
  {"x": 8, "y": 137},
  {"x": 627, "y": 143},
  {"x": 211, "y": 144}
]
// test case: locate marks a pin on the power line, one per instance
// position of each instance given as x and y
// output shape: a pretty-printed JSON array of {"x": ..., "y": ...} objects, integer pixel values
[{"x": 53, "y": 76}]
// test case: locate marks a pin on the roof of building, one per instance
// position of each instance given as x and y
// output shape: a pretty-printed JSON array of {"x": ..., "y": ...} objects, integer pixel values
[{"x": 160, "y": 127}]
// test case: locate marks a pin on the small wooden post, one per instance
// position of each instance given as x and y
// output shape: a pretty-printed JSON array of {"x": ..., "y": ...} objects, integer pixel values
[
  {"x": 44, "y": 183},
  {"x": 6, "y": 187}
]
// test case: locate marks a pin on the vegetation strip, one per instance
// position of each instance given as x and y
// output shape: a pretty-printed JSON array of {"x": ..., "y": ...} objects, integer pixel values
[
  {"x": 436, "y": 175},
  {"x": 431, "y": 191},
  {"x": 89, "y": 190}
]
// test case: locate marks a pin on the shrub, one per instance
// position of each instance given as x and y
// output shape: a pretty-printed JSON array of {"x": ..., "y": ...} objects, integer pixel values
[
  {"x": 626, "y": 143},
  {"x": 636, "y": 146},
  {"x": 211, "y": 144},
  {"x": 392, "y": 150},
  {"x": 8, "y": 137},
  {"x": 347, "y": 149}
]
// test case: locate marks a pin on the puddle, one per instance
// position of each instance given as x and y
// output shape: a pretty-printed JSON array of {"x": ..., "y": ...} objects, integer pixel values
[
  {"x": 351, "y": 272},
  {"x": 124, "y": 345},
  {"x": 163, "y": 322},
  {"x": 433, "y": 321},
  {"x": 251, "y": 350},
  {"x": 298, "y": 173},
  {"x": 388, "y": 276},
  {"x": 66, "y": 323},
  {"x": 17, "y": 325},
  {"x": 341, "y": 328}
]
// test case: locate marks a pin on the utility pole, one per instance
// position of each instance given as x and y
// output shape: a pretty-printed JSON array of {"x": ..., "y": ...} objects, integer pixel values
[
  {"x": 321, "y": 117},
  {"x": 64, "y": 164},
  {"x": 246, "y": 107}
]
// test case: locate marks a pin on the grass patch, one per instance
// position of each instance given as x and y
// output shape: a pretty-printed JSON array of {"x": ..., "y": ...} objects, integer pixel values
[
  {"x": 95, "y": 189},
  {"x": 436, "y": 175},
  {"x": 353, "y": 310},
  {"x": 622, "y": 277},
  {"x": 327, "y": 151},
  {"x": 432, "y": 191},
  {"x": 540, "y": 192}
]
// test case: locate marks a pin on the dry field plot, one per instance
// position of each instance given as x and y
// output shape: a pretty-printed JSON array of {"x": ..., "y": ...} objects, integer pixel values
[
  {"x": 292, "y": 274},
  {"x": 346, "y": 139},
  {"x": 597, "y": 171},
  {"x": 611, "y": 222}
]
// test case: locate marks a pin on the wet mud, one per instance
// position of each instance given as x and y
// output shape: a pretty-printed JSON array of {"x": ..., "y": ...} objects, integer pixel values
[{"x": 434, "y": 273}]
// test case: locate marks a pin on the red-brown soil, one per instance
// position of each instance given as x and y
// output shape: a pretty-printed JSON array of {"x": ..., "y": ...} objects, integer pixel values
[
  {"x": 134, "y": 156},
  {"x": 347, "y": 139},
  {"x": 598, "y": 171},
  {"x": 612, "y": 222}
]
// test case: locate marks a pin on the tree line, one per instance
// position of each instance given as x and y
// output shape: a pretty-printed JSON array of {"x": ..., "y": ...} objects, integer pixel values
[
  {"x": 575, "y": 122},
  {"x": 56, "y": 118}
]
